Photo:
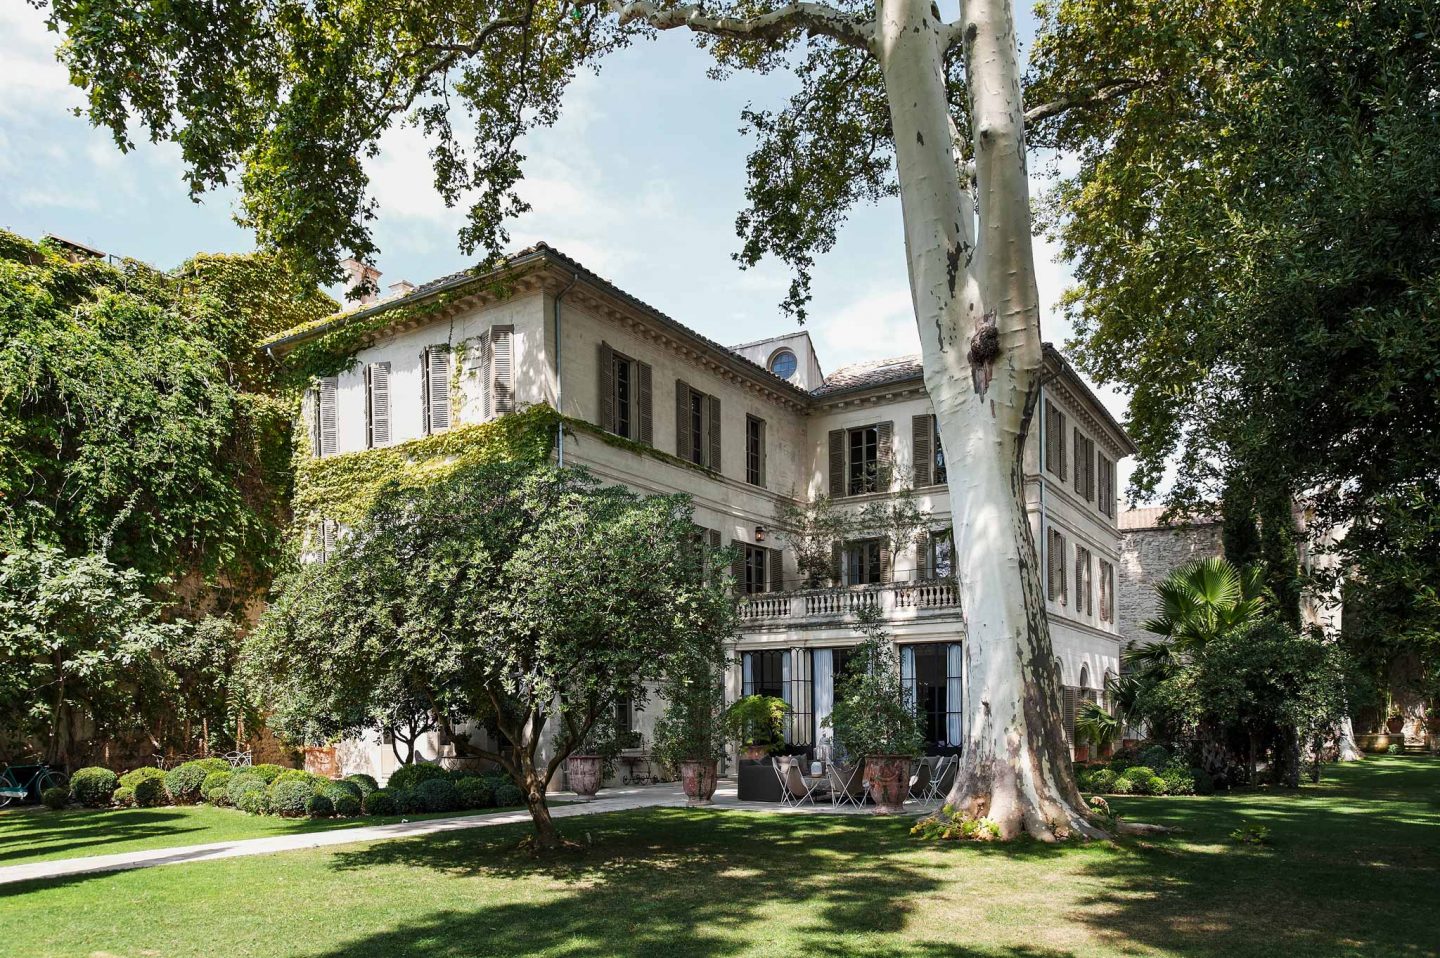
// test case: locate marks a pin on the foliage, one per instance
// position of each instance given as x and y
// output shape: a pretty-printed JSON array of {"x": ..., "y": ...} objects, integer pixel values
[
  {"x": 150, "y": 792},
  {"x": 93, "y": 786},
  {"x": 694, "y": 726},
  {"x": 184, "y": 781},
  {"x": 474, "y": 792},
  {"x": 215, "y": 788},
  {"x": 124, "y": 796},
  {"x": 288, "y": 797},
  {"x": 319, "y": 806},
  {"x": 379, "y": 802},
  {"x": 55, "y": 798},
  {"x": 346, "y": 805},
  {"x": 1095, "y": 725},
  {"x": 268, "y": 772},
  {"x": 1392, "y": 749},
  {"x": 144, "y": 773},
  {"x": 437, "y": 795},
  {"x": 335, "y": 789},
  {"x": 1251, "y": 833},
  {"x": 366, "y": 783},
  {"x": 519, "y": 594},
  {"x": 758, "y": 720},
  {"x": 406, "y": 801},
  {"x": 948, "y": 824},
  {"x": 1101, "y": 779},
  {"x": 407, "y": 777},
  {"x": 814, "y": 530},
  {"x": 508, "y": 795},
  {"x": 873, "y": 713},
  {"x": 241, "y": 781}
]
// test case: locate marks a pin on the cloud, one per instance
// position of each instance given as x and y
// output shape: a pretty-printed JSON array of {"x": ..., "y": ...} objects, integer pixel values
[
  {"x": 33, "y": 85},
  {"x": 879, "y": 324}
]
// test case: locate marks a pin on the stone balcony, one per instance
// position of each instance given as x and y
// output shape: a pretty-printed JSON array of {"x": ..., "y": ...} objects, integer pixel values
[{"x": 931, "y": 598}]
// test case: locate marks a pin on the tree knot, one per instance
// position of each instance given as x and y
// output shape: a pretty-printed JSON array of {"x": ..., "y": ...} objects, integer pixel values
[{"x": 984, "y": 345}]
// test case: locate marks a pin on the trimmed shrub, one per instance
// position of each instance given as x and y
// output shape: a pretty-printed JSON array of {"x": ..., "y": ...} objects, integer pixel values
[
  {"x": 213, "y": 764},
  {"x": 1179, "y": 781},
  {"x": 1154, "y": 756},
  {"x": 379, "y": 802},
  {"x": 213, "y": 788},
  {"x": 406, "y": 801},
  {"x": 251, "y": 797},
  {"x": 407, "y": 777},
  {"x": 318, "y": 806},
  {"x": 509, "y": 794},
  {"x": 342, "y": 787},
  {"x": 437, "y": 795},
  {"x": 475, "y": 793},
  {"x": 55, "y": 798},
  {"x": 124, "y": 796},
  {"x": 1138, "y": 772},
  {"x": 347, "y": 805},
  {"x": 367, "y": 783},
  {"x": 239, "y": 782},
  {"x": 1102, "y": 780},
  {"x": 137, "y": 775},
  {"x": 1124, "y": 758},
  {"x": 150, "y": 792},
  {"x": 1158, "y": 786},
  {"x": 268, "y": 772},
  {"x": 184, "y": 782},
  {"x": 1204, "y": 782},
  {"x": 288, "y": 797},
  {"x": 1122, "y": 786},
  {"x": 300, "y": 775},
  {"x": 93, "y": 786}
]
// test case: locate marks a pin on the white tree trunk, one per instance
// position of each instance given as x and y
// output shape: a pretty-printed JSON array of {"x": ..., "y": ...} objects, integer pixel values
[{"x": 977, "y": 307}]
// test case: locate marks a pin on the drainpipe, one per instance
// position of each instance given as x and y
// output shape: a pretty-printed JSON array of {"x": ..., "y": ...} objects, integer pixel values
[{"x": 559, "y": 380}]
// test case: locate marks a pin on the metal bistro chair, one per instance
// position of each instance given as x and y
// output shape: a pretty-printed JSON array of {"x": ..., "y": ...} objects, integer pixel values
[
  {"x": 794, "y": 789},
  {"x": 943, "y": 779},
  {"x": 920, "y": 781},
  {"x": 847, "y": 784}
]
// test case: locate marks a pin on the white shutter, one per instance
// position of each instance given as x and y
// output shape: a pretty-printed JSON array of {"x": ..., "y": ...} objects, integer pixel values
[
  {"x": 328, "y": 399},
  {"x": 502, "y": 371},
  {"x": 482, "y": 359},
  {"x": 329, "y": 530},
  {"x": 379, "y": 404},
  {"x": 437, "y": 389}
]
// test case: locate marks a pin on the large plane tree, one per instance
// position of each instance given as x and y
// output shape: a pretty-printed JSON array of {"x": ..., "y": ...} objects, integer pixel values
[{"x": 894, "y": 98}]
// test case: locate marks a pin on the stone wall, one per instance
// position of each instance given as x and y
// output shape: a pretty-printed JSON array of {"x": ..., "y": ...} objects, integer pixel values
[{"x": 1148, "y": 552}]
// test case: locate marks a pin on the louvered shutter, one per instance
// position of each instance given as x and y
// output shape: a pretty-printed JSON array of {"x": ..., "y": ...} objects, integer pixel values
[
  {"x": 887, "y": 563},
  {"x": 922, "y": 555},
  {"x": 311, "y": 407},
  {"x": 714, "y": 538},
  {"x": 713, "y": 457},
  {"x": 921, "y": 429},
  {"x": 737, "y": 565},
  {"x": 837, "y": 555},
  {"x": 328, "y": 402},
  {"x": 683, "y": 447},
  {"x": 607, "y": 387},
  {"x": 837, "y": 463},
  {"x": 884, "y": 455},
  {"x": 1079, "y": 478},
  {"x": 646, "y": 403},
  {"x": 776, "y": 562},
  {"x": 502, "y": 368},
  {"x": 378, "y": 388},
  {"x": 1070, "y": 702},
  {"x": 329, "y": 530},
  {"x": 437, "y": 389}
]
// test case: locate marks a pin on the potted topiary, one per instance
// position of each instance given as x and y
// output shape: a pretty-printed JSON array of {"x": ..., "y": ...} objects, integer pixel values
[
  {"x": 585, "y": 767},
  {"x": 691, "y": 734},
  {"x": 875, "y": 716},
  {"x": 757, "y": 722}
]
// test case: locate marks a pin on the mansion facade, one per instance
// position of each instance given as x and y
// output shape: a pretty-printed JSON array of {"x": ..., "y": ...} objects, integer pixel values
[{"x": 750, "y": 433}]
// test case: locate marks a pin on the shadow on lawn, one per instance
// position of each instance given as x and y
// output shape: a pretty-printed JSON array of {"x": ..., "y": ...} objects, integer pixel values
[{"x": 26, "y": 832}]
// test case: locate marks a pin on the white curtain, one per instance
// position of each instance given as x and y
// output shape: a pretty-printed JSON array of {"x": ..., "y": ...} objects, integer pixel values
[
  {"x": 954, "y": 693},
  {"x": 747, "y": 668},
  {"x": 786, "y": 692},
  {"x": 822, "y": 665},
  {"x": 907, "y": 672}
]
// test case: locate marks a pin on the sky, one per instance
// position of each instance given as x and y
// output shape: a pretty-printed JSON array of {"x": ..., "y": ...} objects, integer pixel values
[{"x": 640, "y": 180}]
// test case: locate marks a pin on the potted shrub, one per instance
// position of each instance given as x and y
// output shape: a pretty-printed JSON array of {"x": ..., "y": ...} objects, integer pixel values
[
  {"x": 874, "y": 716},
  {"x": 691, "y": 734},
  {"x": 585, "y": 767},
  {"x": 757, "y": 722},
  {"x": 1395, "y": 723}
]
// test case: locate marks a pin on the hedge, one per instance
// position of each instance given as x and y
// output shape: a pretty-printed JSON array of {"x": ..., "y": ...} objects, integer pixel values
[{"x": 93, "y": 787}]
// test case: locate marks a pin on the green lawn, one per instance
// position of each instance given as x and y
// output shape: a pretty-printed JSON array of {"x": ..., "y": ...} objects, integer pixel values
[
  {"x": 1354, "y": 869},
  {"x": 33, "y": 834}
]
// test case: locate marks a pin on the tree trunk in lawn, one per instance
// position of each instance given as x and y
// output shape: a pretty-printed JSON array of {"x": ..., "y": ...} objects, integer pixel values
[
  {"x": 1346, "y": 749},
  {"x": 977, "y": 307},
  {"x": 532, "y": 782}
]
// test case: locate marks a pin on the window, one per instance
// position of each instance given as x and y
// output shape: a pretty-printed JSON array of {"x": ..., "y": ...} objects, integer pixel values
[
  {"x": 754, "y": 451},
  {"x": 940, "y": 554},
  {"x": 1054, "y": 441},
  {"x": 929, "y": 455},
  {"x": 932, "y": 674},
  {"x": 1084, "y": 466},
  {"x": 1084, "y": 594},
  {"x": 765, "y": 673},
  {"x": 1107, "y": 487},
  {"x": 697, "y": 426},
  {"x": 377, "y": 405},
  {"x": 863, "y": 460},
  {"x": 626, "y": 407},
  {"x": 756, "y": 578},
  {"x": 435, "y": 389},
  {"x": 1055, "y": 567},
  {"x": 863, "y": 565},
  {"x": 783, "y": 363},
  {"x": 1107, "y": 592}
]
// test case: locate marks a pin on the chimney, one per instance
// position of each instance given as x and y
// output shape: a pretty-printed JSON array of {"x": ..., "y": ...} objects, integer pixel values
[
  {"x": 402, "y": 288},
  {"x": 356, "y": 274}
]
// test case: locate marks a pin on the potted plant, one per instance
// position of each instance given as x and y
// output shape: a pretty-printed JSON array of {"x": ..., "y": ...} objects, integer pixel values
[
  {"x": 874, "y": 716},
  {"x": 586, "y": 765},
  {"x": 691, "y": 734},
  {"x": 757, "y": 722},
  {"x": 1395, "y": 723}
]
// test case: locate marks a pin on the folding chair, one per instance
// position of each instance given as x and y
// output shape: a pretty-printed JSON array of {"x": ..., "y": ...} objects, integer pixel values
[
  {"x": 794, "y": 790},
  {"x": 920, "y": 781},
  {"x": 847, "y": 784},
  {"x": 943, "y": 779}
]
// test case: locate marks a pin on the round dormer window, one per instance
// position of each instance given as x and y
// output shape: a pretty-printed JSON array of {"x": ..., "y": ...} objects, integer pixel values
[{"x": 783, "y": 363}]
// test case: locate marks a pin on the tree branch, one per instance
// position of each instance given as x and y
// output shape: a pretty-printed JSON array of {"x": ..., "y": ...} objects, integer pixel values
[
  {"x": 1093, "y": 96},
  {"x": 816, "y": 19}
]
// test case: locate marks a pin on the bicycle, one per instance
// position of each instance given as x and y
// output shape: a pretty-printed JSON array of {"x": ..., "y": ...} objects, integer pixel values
[{"x": 29, "y": 782}]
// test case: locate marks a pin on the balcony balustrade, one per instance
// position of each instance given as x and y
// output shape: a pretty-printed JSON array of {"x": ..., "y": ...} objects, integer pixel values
[{"x": 893, "y": 600}]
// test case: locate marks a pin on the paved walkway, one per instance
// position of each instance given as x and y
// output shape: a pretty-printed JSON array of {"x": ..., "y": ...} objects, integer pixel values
[{"x": 610, "y": 800}]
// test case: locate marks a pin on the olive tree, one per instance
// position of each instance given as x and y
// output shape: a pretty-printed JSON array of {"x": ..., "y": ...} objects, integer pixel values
[{"x": 527, "y": 597}]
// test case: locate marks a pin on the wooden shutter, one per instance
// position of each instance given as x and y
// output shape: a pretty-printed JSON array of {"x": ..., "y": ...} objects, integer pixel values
[
  {"x": 737, "y": 565},
  {"x": 1107, "y": 487},
  {"x": 922, "y": 555},
  {"x": 502, "y": 371},
  {"x": 437, "y": 389},
  {"x": 377, "y": 389},
  {"x": 1079, "y": 463},
  {"x": 714, "y": 538},
  {"x": 683, "y": 447},
  {"x": 713, "y": 407},
  {"x": 1055, "y": 440},
  {"x": 329, "y": 530},
  {"x": 775, "y": 560},
  {"x": 921, "y": 429},
  {"x": 837, "y": 555},
  {"x": 646, "y": 403},
  {"x": 607, "y": 387},
  {"x": 887, "y": 562},
  {"x": 1107, "y": 572},
  {"x": 837, "y": 463},
  {"x": 328, "y": 401},
  {"x": 1070, "y": 699},
  {"x": 884, "y": 455}
]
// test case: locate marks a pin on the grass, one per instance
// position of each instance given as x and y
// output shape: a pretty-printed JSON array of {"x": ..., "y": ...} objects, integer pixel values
[
  {"x": 1350, "y": 870},
  {"x": 33, "y": 834}
]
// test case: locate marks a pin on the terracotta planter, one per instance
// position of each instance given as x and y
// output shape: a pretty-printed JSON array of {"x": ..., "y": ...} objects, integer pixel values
[
  {"x": 1395, "y": 724},
  {"x": 584, "y": 773},
  {"x": 699, "y": 781},
  {"x": 889, "y": 778},
  {"x": 754, "y": 753},
  {"x": 1082, "y": 753}
]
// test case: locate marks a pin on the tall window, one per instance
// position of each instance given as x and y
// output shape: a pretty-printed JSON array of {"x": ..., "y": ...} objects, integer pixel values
[
  {"x": 754, "y": 451},
  {"x": 940, "y": 554},
  {"x": 1107, "y": 592},
  {"x": 1107, "y": 487},
  {"x": 863, "y": 562},
  {"x": 1054, "y": 441},
  {"x": 764, "y": 673},
  {"x": 1084, "y": 594},
  {"x": 435, "y": 389},
  {"x": 697, "y": 426},
  {"x": 927, "y": 453},
  {"x": 1055, "y": 567},
  {"x": 624, "y": 407},
  {"x": 939, "y": 473},
  {"x": 932, "y": 673},
  {"x": 1084, "y": 466},
  {"x": 377, "y": 405},
  {"x": 625, "y": 396},
  {"x": 864, "y": 460},
  {"x": 756, "y": 577}
]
